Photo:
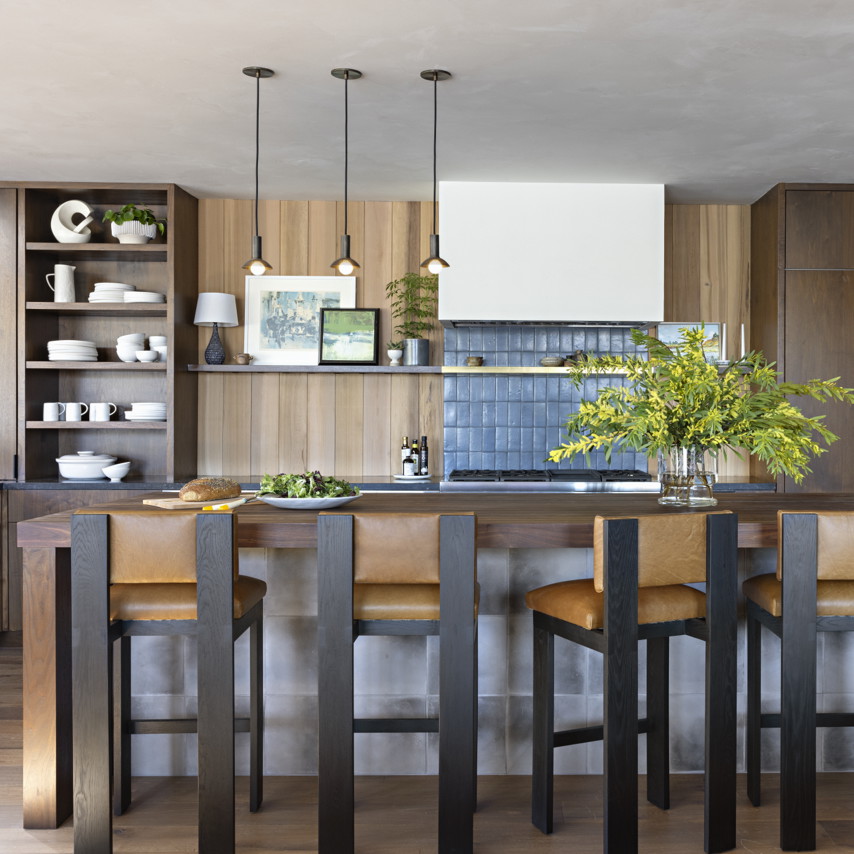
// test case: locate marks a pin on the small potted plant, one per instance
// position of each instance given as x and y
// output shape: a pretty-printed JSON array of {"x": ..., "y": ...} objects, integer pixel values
[
  {"x": 395, "y": 352},
  {"x": 134, "y": 225},
  {"x": 414, "y": 300}
]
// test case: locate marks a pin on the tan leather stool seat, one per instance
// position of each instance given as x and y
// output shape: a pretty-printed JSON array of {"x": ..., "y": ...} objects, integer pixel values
[
  {"x": 399, "y": 601},
  {"x": 176, "y": 601},
  {"x": 578, "y": 602},
  {"x": 833, "y": 598}
]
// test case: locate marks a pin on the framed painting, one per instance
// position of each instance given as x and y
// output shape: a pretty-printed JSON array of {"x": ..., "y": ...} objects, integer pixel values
[
  {"x": 668, "y": 333},
  {"x": 282, "y": 316},
  {"x": 349, "y": 336}
]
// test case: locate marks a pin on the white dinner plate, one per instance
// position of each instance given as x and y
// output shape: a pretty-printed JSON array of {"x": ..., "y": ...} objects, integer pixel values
[
  {"x": 307, "y": 503},
  {"x": 412, "y": 476}
]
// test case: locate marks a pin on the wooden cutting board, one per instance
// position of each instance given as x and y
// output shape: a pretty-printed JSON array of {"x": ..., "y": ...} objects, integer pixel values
[{"x": 180, "y": 504}]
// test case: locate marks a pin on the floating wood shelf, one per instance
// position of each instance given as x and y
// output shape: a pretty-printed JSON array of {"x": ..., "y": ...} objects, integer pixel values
[
  {"x": 96, "y": 425},
  {"x": 105, "y": 251},
  {"x": 321, "y": 369},
  {"x": 118, "y": 309},
  {"x": 96, "y": 366}
]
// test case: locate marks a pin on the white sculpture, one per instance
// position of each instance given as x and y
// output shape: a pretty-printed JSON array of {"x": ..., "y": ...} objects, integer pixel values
[{"x": 62, "y": 224}]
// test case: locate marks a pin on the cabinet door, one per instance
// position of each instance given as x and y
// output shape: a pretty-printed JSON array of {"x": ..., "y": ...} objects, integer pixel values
[
  {"x": 819, "y": 230},
  {"x": 9, "y": 338},
  {"x": 819, "y": 344}
]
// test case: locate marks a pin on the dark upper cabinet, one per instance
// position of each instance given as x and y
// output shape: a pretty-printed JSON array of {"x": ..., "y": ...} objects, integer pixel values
[{"x": 819, "y": 229}]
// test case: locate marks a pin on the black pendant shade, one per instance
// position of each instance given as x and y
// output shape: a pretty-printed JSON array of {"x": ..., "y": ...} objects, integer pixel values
[
  {"x": 344, "y": 264},
  {"x": 256, "y": 265},
  {"x": 434, "y": 262}
]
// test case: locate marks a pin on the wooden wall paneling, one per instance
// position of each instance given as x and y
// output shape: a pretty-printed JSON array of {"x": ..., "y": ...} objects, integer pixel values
[
  {"x": 405, "y": 418},
  {"x": 270, "y": 229},
  {"x": 437, "y": 335},
  {"x": 236, "y": 419},
  {"x": 767, "y": 235},
  {"x": 684, "y": 289},
  {"x": 430, "y": 414},
  {"x": 380, "y": 449},
  {"x": 349, "y": 424},
  {"x": 211, "y": 407},
  {"x": 295, "y": 422},
  {"x": 8, "y": 343},
  {"x": 211, "y": 257},
  {"x": 238, "y": 222},
  {"x": 4, "y": 563},
  {"x": 323, "y": 238},
  {"x": 406, "y": 237},
  {"x": 264, "y": 430},
  {"x": 668, "y": 262},
  {"x": 320, "y": 413},
  {"x": 376, "y": 266},
  {"x": 356, "y": 229},
  {"x": 293, "y": 238}
]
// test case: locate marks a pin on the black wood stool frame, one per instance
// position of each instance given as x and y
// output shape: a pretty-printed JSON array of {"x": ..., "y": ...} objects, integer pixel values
[
  {"x": 101, "y": 705},
  {"x": 798, "y": 718},
  {"x": 618, "y": 644},
  {"x": 457, "y": 722}
]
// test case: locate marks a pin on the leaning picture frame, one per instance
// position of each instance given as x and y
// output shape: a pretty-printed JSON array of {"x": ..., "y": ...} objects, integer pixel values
[
  {"x": 349, "y": 336},
  {"x": 282, "y": 315},
  {"x": 668, "y": 333}
]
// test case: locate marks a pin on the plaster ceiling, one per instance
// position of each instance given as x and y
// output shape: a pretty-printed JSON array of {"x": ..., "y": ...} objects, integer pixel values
[{"x": 717, "y": 99}]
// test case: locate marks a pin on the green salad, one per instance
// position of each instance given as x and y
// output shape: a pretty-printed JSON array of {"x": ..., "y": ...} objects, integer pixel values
[{"x": 312, "y": 484}]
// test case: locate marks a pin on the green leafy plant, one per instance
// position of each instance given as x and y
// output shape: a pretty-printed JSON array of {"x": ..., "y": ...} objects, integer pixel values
[
  {"x": 132, "y": 212},
  {"x": 413, "y": 303},
  {"x": 394, "y": 345},
  {"x": 675, "y": 398}
]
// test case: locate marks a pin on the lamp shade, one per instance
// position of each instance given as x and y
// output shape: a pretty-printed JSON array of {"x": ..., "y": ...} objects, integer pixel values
[{"x": 216, "y": 308}]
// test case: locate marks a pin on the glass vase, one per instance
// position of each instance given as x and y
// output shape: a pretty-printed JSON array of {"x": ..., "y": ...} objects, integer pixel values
[{"x": 687, "y": 476}]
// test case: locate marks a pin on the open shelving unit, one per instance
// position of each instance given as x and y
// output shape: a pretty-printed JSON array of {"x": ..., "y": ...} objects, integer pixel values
[{"x": 168, "y": 265}]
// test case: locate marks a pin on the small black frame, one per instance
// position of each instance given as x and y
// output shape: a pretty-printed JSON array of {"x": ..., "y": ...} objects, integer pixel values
[{"x": 349, "y": 336}]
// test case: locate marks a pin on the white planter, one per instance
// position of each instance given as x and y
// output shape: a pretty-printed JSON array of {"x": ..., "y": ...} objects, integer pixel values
[
  {"x": 133, "y": 231},
  {"x": 394, "y": 357}
]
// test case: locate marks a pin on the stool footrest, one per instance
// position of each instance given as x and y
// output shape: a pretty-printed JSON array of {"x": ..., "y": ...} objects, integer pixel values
[
  {"x": 396, "y": 725},
  {"x": 586, "y": 734},
  {"x": 173, "y": 726},
  {"x": 772, "y": 720}
]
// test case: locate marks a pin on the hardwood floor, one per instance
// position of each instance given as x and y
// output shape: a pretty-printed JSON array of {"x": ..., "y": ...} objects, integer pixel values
[{"x": 397, "y": 815}]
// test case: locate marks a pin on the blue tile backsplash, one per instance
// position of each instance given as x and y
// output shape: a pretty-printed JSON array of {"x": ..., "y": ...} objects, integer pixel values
[{"x": 512, "y": 421}]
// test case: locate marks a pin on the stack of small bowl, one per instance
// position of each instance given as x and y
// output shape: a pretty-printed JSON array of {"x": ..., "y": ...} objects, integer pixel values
[{"x": 127, "y": 346}]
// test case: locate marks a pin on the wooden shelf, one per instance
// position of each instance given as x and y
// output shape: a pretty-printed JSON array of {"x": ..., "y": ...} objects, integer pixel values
[
  {"x": 119, "y": 309},
  {"x": 319, "y": 369},
  {"x": 96, "y": 366},
  {"x": 105, "y": 251},
  {"x": 96, "y": 425}
]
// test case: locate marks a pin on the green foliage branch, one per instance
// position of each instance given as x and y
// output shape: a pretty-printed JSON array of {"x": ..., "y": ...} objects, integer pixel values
[
  {"x": 413, "y": 301},
  {"x": 675, "y": 398},
  {"x": 131, "y": 212}
]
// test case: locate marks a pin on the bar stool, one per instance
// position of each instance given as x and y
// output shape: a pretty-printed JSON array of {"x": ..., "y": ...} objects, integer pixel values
[
  {"x": 396, "y": 574},
  {"x": 812, "y": 591},
  {"x": 134, "y": 572},
  {"x": 638, "y": 592}
]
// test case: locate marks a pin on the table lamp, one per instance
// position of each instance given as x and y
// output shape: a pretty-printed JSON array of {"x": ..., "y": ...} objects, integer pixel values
[{"x": 215, "y": 309}]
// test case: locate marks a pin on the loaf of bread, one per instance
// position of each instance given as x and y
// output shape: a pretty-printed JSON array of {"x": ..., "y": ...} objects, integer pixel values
[{"x": 209, "y": 489}]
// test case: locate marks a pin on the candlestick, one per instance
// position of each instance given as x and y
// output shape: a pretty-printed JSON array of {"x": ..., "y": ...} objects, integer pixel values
[{"x": 723, "y": 341}]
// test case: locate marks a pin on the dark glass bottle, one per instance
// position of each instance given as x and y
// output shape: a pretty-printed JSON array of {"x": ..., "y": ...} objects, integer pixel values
[{"x": 423, "y": 461}]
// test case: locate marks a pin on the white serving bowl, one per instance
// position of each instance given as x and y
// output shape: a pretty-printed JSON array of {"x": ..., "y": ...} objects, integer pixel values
[
  {"x": 116, "y": 472},
  {"x": 84, "y": 465},
  {"x": 135, "y": 338},
  {"x": 157, "y": 340},
  {"x": 146, "y": 355},
  {"x": 126, "y": 355}
]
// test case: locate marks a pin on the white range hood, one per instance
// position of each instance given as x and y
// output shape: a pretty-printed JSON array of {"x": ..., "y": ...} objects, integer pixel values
[{"x": 551, "y": 253}]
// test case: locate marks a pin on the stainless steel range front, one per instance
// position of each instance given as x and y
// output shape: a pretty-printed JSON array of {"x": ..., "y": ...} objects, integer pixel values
[{"x": 549, "y": 480}]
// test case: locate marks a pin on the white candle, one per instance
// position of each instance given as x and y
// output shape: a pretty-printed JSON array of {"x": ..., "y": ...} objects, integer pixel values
[
  {"x": 723, "y": 341},
  {"x": 742, "y": 341}
]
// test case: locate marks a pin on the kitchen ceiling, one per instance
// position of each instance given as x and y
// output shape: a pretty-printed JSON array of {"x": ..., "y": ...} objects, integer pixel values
[{"x": 717, "y": 99}]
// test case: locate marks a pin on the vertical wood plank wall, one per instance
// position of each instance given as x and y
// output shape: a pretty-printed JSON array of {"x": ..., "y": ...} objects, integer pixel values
[
  {"x": 707, "y": 277},
  {"x": 349, "y": 425}
]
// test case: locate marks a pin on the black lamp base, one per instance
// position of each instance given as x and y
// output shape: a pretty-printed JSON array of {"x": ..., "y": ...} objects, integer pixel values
[{"x": 215, "y": 352}]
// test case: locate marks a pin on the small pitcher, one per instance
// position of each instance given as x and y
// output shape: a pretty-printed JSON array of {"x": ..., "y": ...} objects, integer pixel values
[{"x": 63, "y": 283}]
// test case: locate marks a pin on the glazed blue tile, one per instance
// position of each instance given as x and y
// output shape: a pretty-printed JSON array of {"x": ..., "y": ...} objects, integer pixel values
[
  {"x": 450, "y": 416},
  {"x": 476, "y": 441},
  {"x": 578, "y": 339},
  {"x": 566, "y": 340},
  {"x": 514, "y": 387},
  {"x": 501, "y": 388},
  {"x": 514, "y": 338},
  {"x": 565, "y": 389},
  {"x": 476, "y": 460},
  {"x": 487, "y": 410},
  {"x": 502, "y": 338},
  {"x": 540, "y": 387},
  {"x": 555, "y": 415},
  {"x": 514, "y": 439},
  {"x": 488, "y": 388},
  {"x": 528, "y": 338},
  {"x": 513, "y": 460},
  {"x": 553, "y": 340},
  {"x": 514, "y": 414},
  {"x": 591, "y": 339},
  {"x": 476, "y": 415},
  {"x": 603, "y": 344},
  {"x": 501, "y": 437},
  {"x": 475, "y": 389},
  {"x": 501, "y": 413},
  {"x": 528, "y": 414},
  {"x": 617, "y": 343},
  {"x": 589, "y": 390},
  {"x": 539, "y": 410},
  {"x": 541, "y": 342},
  {"x": 461, "y": 460},
  {"x": 463, "y": 389},
  {"x": 463, "y": 417},
  {"x": 499, "y": 460},
  {"x": 463, "y": 434},
  {"x": 527, "y": 388},
  {"x": 488, "y": 339},
  {"x": 502, "y": 359},
  {"x": 552, "y": 388},
  {"x": 450, "y": 388},
  {"x": 488, "y": 440}
]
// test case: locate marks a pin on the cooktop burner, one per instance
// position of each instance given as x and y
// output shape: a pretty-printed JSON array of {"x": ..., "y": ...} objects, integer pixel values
[{"x": 562, "y": 475}]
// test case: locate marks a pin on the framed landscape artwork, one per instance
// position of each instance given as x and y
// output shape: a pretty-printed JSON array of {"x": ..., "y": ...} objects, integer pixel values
[
  {"x": 668, "y": 333},
  {"x": 282, "y": 317},
  {"x": 349, "y": 336}
]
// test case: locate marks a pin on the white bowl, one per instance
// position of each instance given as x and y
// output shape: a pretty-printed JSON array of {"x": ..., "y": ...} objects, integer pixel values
[
  {"x": 116, "y": 472},
  {"x": 146, "y": 355},
  {"x": 136, "y": 337},
  {"x": 126, "y": 355},
  {"x": 157, "y": 340},
  {"x": 84, "y": 465}
]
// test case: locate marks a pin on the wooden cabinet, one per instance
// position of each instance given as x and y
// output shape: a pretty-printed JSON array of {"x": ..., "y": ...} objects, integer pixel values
[
  {"x": 167, "y": 265},
  {"x": 802, "y": 302}
]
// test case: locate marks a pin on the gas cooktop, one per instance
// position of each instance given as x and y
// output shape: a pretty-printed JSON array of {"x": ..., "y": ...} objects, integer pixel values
[{"x": 550, "y": 480}]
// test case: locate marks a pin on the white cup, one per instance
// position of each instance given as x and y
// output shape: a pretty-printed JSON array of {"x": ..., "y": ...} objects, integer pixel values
[
  {"x": 52, "y": 411},
  {"x": 101, "y": 411},
  {"x": 75, "y": 411},
  {"x": 161, "y": 353}
]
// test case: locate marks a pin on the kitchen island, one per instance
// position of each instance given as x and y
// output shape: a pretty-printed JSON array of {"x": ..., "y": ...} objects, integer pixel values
[{"x": 525, "y": 540}]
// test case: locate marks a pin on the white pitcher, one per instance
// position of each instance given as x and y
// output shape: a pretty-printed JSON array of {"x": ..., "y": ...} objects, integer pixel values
[{"x": 63, "y": 283}]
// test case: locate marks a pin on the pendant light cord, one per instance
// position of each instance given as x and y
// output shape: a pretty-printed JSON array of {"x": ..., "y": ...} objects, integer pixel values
[
  {"x": 346, "y": 142},
  {"x": 435, "y": 121},
  {"x": 257, "y": 140}
]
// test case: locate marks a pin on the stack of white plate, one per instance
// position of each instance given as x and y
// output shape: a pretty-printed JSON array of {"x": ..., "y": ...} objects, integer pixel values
[
  {"x": 144, "y": 296},
  {"x": 146, "y": 412},
  {"x": 70, "y": 350},
  {"x": 110, "y": 292}
]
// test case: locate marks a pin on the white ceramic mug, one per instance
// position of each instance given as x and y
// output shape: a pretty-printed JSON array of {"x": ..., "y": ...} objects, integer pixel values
[
  {"x": 52, "y": 411},
  {"x": 63, "y": 283},
  {"x": 75, "y": 411},
  {"x": 101, "y": 411}
]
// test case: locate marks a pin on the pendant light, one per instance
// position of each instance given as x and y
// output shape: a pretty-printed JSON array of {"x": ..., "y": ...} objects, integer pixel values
[
  {"x": 434, "y": 262},
  {"x": 344, "y": 264},
  {"x": 256, "y": 265}
]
